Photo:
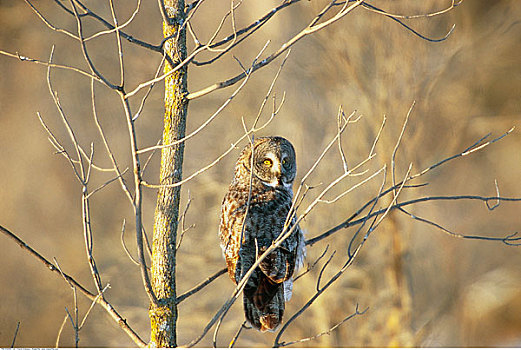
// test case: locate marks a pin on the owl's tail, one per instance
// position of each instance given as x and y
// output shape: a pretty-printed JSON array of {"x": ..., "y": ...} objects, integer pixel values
[{"x": 263, "y": 302}]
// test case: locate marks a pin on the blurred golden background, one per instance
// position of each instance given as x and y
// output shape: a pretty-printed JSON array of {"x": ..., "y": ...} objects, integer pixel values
[{"x": 422, "y": 287}]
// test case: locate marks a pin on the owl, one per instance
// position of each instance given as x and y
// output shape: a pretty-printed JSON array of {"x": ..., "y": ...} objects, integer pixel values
[{"x": 246, "y": 232}]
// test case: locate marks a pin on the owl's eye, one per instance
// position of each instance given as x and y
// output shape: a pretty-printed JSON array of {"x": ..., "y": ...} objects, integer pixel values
[{"x": 267, "y": 162}]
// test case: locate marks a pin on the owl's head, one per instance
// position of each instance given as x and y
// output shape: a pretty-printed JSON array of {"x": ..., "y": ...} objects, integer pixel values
[{"x": 274, "y": 162}]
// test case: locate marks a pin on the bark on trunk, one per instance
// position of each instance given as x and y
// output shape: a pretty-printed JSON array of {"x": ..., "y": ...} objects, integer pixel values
[{"x": 163, "y": 317}]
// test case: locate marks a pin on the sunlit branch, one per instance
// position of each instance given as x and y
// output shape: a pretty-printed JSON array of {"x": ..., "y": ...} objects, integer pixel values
[{"x": 306, "y": 31}]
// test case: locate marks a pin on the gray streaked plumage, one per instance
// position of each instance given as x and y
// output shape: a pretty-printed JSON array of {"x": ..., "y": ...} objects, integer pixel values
[{"x": 270, "y": 285}]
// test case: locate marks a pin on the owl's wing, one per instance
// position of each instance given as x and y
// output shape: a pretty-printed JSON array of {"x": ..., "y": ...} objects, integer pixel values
[
  {"x": 230, "y": 231},
  {"x": 280, "y": 264}
]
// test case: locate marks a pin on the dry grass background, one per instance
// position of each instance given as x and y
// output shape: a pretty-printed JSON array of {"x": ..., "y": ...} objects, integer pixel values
[{"x": 422, "y": 287}]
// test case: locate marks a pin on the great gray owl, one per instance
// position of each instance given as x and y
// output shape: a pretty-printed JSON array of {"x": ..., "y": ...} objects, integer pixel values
[{"x": 270, "y": 285}]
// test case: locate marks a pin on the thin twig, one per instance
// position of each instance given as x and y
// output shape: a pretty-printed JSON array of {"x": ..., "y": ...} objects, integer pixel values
[
  {"x": 119, "y": 174},
  {"x": 120, "y": 47},
  {"x": 398, "y": 142},
  {"x": 423, "y": 15},
  {"x": 59, "y": 148},
  {"x": 52, "y": 65},
  {"x": 102, "y": 186},
  {"x": 15, "y": 334},
  {"x": 117, "y": 27},
  {"x": 74, "y": 321},
  {"x": 92, "y": 306},
  {"x": 108, "y": 25},
  {"x": 182, "y": 221},
  {"x": 328, "y": 332},
  {"x": 340, "y": 118},
  {"x": 60, "y": 331},
  {"x": 137, "y": 203},
  {"x": 201, "y": 285},
  {"x": 48, "y": 23},
  {"x": 397, "y": 19},
  {"x": 86, "y": 56},
  {"x": 122, "y": 239},
  {"x": 143, "y": 100},
  {"x": 236, "y": 336},
  {"x": 248, "y": 30},
  {"x": 377, "y": 138},
  {"x": 497, "y": 195},
  {"x": 311, "y": 266},
  {"x": 317, "y": 286}
]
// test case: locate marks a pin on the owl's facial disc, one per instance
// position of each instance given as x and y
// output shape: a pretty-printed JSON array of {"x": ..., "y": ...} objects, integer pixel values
[
  {"x": 270, "y": 170},
  {"x": 275, "y": 170}
]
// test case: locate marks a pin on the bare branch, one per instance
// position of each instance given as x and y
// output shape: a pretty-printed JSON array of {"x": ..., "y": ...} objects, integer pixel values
[
  {"x": 74, "y": 321},
  {"x": 59, "y": 148},
  {"x": 118, "y": 39},
  {"x": 182, "y": 219},
  {"x": 234, "y": 339},
  {"x": 143, "y": 100},
  {"x": 201, "y": 285},
  {"x": 249, "y": 30},
  {"x": 474, "y": 147},
  {"x": 48, "y": 64},
  {"x": 99, "y": 300},
  {"x": 306, "y": 31},
  {"x": 497, "y": 195},
  {"x": 317, "y": 287},
  {"x": 105, "y": 184},
  {"x": 377, "y": 138},
  {"x": 340, "y": 118},
  {"x": 311, "y": 266},
  {"x": 49, "y": 24},
  {"x": 233, "y": 146},
  {"x": 107, "y": 146},
  {"x": 423, "y": 15},
  {"x": 60, "y": 331},
  {"x": 397, "y": 19},
  {"x": 80, "y": 175},
  {"x": 86, "y": 56},
  {"x": 108, "y": 25},
  {"x": 349, "y": 261},
  {"x": 398, "y": 142},
  {"x": 117, "y": 28},
  {"x": 122, "y": 238},
  {"x": 92, "y": 306},
  {"x": 328, "y": 332},
  {"x": 137, "y": 203},
  {"x": 509, "y": 239}
]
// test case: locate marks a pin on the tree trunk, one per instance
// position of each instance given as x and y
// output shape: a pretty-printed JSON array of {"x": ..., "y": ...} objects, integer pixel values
[{"x": 163, "y": 317}]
